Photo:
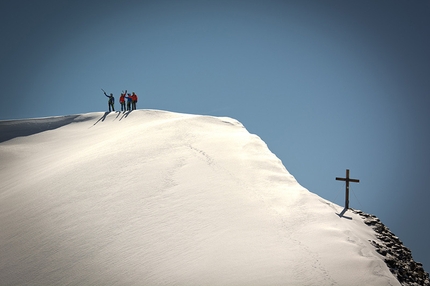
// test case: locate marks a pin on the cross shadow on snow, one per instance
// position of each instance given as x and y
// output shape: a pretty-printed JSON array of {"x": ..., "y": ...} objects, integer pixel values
[
  {"x": 342, "y": 214},
  {"x": 10, "y": 129}
]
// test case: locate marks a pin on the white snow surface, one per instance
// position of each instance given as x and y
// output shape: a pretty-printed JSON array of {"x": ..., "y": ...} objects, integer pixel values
[{"x": 160, "y": 198}]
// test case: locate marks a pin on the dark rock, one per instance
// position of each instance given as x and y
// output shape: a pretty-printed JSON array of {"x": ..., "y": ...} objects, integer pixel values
[{"x": 397, "y": 257}]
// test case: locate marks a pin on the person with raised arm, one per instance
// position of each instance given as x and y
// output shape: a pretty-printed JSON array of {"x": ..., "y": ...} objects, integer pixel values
[
  {"x": 122, "y": 100},
  {"x": 111, "y": 101}
]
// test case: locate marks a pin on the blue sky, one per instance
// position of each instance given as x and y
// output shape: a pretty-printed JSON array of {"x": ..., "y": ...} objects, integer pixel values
[{"x": 328, "y": 85}]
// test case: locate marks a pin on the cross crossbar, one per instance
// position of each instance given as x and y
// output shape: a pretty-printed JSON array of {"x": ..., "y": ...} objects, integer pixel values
[{"x": 347, "y": 179}]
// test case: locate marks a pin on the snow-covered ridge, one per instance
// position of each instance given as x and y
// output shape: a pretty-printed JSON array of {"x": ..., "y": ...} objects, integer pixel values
[{"x": 155, "y": 197}]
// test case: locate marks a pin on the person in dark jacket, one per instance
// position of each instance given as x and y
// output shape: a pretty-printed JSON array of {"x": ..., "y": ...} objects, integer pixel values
[{"x": 111, "y": 102}]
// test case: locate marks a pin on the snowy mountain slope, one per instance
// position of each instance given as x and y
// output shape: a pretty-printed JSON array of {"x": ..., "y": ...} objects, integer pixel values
[{"x": 153, "y": 197}]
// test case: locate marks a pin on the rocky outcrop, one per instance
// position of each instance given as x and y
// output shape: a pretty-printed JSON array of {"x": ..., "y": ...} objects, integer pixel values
[{"x": 397, "y": 257}]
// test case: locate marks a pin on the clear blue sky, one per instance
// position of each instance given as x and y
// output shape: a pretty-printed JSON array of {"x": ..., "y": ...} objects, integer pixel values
[{"x": 328, "y": 85}]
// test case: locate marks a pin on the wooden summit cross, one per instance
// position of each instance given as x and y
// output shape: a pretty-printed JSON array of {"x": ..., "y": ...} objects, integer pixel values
[{"x": 347, "y": 179}]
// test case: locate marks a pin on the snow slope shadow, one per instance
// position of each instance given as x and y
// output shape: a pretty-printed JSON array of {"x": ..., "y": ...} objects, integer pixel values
[
  {"x": 123, "y": 114},
  {"x": 102, "y": 118},
  {"x": 10, "y": 129}
]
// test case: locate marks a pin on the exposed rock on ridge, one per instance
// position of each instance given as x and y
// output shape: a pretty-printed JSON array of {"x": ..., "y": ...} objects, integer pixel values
[{"x": 397, "y": 257}]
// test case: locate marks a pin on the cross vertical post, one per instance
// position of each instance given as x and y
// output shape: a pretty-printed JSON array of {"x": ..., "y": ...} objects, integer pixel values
[{"x": 347, "y": 179}]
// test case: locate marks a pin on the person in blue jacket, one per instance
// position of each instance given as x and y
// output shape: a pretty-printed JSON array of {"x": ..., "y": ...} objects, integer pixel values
[
  {"x": 129, "y": 101},
  {"x": 111, "y": 101}
]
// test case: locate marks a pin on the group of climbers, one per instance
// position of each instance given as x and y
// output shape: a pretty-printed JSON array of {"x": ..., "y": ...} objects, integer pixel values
[{"x": 131, "y": 100}]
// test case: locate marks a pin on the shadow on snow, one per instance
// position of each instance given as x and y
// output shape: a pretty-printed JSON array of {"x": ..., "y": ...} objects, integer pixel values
[
  {"x": 103, "y": 118},
  {"x": 10, "y": 129}
]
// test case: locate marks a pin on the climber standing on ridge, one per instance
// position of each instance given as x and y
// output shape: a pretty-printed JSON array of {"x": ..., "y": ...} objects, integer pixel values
[
  {"x": 133, "y": 100},
  {"x": 111, "y": 101},
  {"x": 122, "y": 100},
  {"x": 129, "y": 99}
]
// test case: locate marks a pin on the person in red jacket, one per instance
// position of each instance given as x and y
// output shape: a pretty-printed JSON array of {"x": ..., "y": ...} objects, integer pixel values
[
  {"x": 133, "y": 101},
  {"x": 122, "y": 100}
]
